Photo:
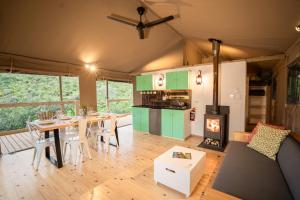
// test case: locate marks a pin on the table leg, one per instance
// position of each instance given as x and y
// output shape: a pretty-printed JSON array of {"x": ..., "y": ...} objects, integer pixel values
[
  {"x": 57, "y": 148},
  {"x": 47, "y": 150},
  {"x": 58, "y": 161}
]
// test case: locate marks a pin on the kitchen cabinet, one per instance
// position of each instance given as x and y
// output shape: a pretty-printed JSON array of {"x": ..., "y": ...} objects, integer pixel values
[
  {"x": 140, "y": 119},
  {"x": 144, "y": 82},
  {"x": 175, "y": 123},
  {"x": 177, "y": 80}
]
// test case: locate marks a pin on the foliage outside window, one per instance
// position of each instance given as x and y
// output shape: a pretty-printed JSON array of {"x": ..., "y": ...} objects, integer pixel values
[
  {"x": 27, "y": 88},
  {"x": 119, "y": 96}
]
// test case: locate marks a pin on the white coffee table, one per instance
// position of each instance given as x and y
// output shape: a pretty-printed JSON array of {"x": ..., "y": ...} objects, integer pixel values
[{"x": 179, "y": 174}]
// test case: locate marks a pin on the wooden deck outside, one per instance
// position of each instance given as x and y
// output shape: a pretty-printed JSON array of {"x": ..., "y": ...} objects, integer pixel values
[{"x": 15, "y": 142}]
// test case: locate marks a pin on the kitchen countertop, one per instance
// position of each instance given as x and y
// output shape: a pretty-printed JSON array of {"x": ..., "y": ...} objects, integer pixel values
[{"x": 160, "y": 107}]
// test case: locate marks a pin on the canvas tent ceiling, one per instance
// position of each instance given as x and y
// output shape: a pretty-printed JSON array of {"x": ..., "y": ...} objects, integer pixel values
[
  {"x": 248, "y": 28},
  {"x": 78, "y": 31}
]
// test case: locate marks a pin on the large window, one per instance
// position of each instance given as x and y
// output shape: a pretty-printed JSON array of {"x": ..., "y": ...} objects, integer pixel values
[
  {"x": 22, "y": 96},
  {"x": 21, "y": 88},
  {"x": 114, "y": 96}
]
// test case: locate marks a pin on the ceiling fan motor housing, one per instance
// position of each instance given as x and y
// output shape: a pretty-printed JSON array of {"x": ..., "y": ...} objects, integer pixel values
[{"x": 141, "y": 10}]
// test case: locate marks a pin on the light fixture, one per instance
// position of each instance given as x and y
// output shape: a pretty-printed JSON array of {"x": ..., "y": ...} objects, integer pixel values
[
  {"x": 297, "y": 28},
  {"x": 161, "y": 80},
  {"x": 199, "y": 78},
  {"x": 92, "y": 68}
]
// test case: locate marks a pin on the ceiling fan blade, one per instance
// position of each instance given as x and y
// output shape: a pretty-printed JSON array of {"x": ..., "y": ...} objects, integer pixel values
[
  {"x": 159, "y": 21},
  {"x": 141, "y": 33},
  {"x": 121, "y": 19}
]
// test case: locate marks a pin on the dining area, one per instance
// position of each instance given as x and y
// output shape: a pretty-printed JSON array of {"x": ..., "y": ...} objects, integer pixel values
[{"x": 65, "y": 139}]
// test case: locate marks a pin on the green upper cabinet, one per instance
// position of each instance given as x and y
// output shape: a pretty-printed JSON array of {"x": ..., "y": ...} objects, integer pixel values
[
  {"x": 140, "y": 119},
  {"x": 177, "y": 80},
  {"x": 144, "y": 83},
  {"x": 171, "y": 83},
  {"x": 139, "y": 83},
  {"x": 182, "y": 80},
  {"x": 173, "y": 123}
]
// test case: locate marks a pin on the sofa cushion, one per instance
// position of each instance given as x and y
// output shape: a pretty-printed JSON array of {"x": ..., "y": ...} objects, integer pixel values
[
  {"x": 267, "y": 140},
  {"x": 254, "y": 131},
  {"x": 289, "y": 162},
  {"x": 249, "y": 175}
]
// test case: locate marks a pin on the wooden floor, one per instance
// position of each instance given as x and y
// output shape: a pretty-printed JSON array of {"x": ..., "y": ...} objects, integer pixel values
[
  {"x": 124, "y": 173},
  {"x": 15, "y": 142}
]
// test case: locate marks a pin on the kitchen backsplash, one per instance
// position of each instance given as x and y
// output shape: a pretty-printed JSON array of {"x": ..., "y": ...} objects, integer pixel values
[{"x": 167, "y": 98}]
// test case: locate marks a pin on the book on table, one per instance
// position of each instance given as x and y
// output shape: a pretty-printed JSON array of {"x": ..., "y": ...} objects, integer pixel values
[{"x": 182, "y": 155}]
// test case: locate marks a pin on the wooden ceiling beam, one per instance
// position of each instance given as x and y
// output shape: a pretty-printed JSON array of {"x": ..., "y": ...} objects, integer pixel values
[{"x": 265, "y": 58}]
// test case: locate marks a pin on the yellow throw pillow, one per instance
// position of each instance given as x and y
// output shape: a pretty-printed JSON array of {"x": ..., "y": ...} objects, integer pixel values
[{"x": 267, "y": 140}]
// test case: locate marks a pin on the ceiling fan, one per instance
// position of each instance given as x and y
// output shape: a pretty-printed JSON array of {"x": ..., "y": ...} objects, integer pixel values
[{"x": 140, "y": 25}]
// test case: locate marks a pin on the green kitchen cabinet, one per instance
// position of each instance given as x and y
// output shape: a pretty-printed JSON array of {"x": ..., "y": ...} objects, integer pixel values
[
  {"x": 144, "y": 82},
  {"x": 177, "y": 80},
  {"x": 166, "y": 123},
  {"x": 171, "y": 83},
  {"x": 175, "y": 123},
  {"x": 140, "y": 119},
  {"x": 139, "y": 83},
  {"x": 178, "y": 124},
  {"x": 136, "y": 118},
  {"x": 182, "y": 80}
]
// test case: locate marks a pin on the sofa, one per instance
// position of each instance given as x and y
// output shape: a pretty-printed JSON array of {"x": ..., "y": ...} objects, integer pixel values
[{"x": 249, "y": 175}]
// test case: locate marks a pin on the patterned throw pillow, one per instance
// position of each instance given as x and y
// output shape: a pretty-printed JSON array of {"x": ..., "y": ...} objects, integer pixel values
[
  {"x": 267, "y": 140},
  {"x": 259, "y": 124}
]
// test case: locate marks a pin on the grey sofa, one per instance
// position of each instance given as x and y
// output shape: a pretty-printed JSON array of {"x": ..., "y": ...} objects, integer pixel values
[{"x": 250, "y": 175}]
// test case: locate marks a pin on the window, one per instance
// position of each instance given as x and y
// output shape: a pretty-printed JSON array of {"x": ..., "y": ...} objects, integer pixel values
[
  {"x": 293, "y": 96},
  {"x": 21, "y": 88},
  {"x": 70, "y": 88},
  {"x": 101, "y": 96},
  {"x": 119, "y": 99},
  {"x": 36, "y": 93}
]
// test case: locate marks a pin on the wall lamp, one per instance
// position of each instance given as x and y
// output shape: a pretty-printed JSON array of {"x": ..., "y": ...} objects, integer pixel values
[
  {"x": 161, "y": 80},
  {"x": 199, "y": 78}
]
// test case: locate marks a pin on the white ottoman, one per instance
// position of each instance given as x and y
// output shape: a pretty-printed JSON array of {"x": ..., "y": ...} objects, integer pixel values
[{"x": 177, "y": 173}]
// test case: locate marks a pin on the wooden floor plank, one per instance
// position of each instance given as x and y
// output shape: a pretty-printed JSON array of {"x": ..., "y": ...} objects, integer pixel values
[{"x": 123, "y": 173}]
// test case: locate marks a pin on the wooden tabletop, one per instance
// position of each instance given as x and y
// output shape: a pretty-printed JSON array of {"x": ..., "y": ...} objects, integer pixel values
[{"x": 58, "y": 123}]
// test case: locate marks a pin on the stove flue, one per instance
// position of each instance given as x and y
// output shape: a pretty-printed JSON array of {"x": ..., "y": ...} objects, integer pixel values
[{"x": 217, "y": 117}]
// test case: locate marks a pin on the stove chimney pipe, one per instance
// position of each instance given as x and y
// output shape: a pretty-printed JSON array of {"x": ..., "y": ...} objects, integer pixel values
[{"x": 216, "y": 50}]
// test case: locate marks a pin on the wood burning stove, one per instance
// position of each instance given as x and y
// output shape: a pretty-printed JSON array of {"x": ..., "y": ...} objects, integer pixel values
[
  {"x": 217, "y": 117},
  {"x": 216, "y": 128}
]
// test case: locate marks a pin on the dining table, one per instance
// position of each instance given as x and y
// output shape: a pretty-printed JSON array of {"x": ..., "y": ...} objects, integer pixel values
[{"x": 57, "y": 124}]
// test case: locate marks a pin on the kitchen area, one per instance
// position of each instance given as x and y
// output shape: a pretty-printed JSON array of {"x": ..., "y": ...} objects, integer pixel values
[
  {"x": 166, "y": 111},
  {"x": 172, "y": 102}
]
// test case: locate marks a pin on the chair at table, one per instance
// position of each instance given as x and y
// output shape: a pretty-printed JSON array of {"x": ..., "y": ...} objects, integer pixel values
[
  {"x": 108, "y": 133},
  {"x": 78, "y": 142},
  {"x": 40, "y": 143}
]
